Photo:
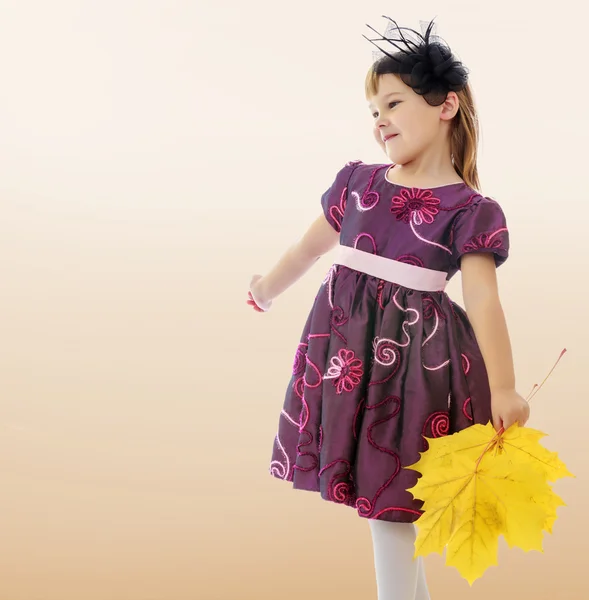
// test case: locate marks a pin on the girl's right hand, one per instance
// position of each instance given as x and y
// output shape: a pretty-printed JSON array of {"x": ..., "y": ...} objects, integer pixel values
[
  {"x": 255, "y": 297},
  {"x": 251, "y": 302}
]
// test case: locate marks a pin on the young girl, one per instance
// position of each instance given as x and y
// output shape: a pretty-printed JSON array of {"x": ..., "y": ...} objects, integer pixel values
[{"x": 386, "y": 357}]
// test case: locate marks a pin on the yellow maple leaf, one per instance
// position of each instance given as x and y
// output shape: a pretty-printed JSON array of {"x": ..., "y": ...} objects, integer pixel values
[
  {"x": 522, "y": 443},
  {"x": 551, "y": 512},
  {"x": 477, "y": 485}
]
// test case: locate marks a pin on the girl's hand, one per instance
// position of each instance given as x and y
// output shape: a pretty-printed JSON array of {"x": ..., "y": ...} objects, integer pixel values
[
  {"x": 508, "y": 407},
  {"x": 255, "y": 296},
  {"x": 251, "y": 302}
]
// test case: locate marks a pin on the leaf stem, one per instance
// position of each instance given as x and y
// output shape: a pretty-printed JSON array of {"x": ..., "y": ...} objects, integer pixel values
[{"x": 534, "y": 391}]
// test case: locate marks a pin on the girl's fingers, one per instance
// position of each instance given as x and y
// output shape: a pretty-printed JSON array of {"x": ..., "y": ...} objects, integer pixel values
[{"x": 251, "y": 302}]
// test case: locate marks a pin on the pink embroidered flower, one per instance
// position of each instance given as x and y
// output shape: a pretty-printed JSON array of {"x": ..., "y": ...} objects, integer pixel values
[
  {"x": 419, "y": 206},
  {"x": 484, "y": 241},
  {"x": 346, "y": 370}
]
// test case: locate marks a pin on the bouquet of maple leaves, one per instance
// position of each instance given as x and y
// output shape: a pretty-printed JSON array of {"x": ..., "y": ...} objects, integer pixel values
[{"x": 479, "y": 484}]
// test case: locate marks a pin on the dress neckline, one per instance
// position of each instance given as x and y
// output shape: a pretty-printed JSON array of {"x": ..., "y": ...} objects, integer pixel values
[{"x": 421, "y": 189}]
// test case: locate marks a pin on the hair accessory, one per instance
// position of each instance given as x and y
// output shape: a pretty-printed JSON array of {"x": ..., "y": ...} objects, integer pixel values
[{"x": 422, "y": 60}]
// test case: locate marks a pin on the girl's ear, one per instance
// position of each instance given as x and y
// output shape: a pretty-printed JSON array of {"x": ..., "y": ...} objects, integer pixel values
[{"x": 450, "y": 106}]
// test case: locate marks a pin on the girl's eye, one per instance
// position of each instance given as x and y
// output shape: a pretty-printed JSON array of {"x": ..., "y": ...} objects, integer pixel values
[{"x": 391, "y": 105}]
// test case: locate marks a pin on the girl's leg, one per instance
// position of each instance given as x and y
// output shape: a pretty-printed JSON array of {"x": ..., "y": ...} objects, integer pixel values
[
  {"x": 398, "y": 576},
  {"x": 422, "y": 593}
]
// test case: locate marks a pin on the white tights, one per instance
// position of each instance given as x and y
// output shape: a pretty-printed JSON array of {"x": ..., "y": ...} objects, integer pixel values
[{"x": 398, "y": 575}]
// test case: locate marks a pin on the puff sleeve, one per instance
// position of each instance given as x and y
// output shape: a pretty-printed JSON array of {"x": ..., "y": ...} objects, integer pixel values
[
  {"x": 481, "y": 228},
  {"x": 333, "y": 200}
]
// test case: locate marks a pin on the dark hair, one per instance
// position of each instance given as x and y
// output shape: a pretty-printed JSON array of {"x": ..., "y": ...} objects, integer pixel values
[
  {"x": 432, "y": 71},
  {"x": 423, "y": 62}
]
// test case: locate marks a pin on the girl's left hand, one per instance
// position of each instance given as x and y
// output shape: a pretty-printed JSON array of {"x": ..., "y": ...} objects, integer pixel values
[{"x": 508, "y": 407}]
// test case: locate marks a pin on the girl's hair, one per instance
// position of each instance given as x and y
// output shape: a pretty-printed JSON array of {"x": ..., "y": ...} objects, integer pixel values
[{"x": 464, "y": 139}]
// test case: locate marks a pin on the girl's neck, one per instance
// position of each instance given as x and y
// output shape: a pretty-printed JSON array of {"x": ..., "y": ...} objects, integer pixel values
[{"x": 433, "y": 167}]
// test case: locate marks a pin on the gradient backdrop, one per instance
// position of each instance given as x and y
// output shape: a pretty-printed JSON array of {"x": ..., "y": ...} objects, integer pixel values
[{"x": 154, "y": 155}]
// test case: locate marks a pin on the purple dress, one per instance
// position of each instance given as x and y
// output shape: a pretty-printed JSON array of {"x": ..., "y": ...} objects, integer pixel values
[{"x": 379, "y": 365}]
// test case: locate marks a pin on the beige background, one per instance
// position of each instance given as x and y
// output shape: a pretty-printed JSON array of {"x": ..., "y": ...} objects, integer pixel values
[{"x": 154, "y": 155}]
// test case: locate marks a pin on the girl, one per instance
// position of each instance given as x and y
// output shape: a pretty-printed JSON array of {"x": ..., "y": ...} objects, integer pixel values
[{"x": 386, "y": 358}]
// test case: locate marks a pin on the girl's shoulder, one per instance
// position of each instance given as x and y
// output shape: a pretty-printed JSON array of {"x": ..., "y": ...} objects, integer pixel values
[
  {"x": 480, "y": 203},
  {"x": 360, "y": 167},
  {"x": 359, "y": 174}
]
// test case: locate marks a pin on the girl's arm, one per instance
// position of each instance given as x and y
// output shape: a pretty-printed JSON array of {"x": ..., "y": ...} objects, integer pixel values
[
  {"x": 484, "y": 310},
  {"x": 319, "y": 239}
]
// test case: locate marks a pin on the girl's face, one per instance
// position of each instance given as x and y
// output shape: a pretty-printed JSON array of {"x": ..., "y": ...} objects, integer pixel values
[{"x": 405, "y": 125}]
